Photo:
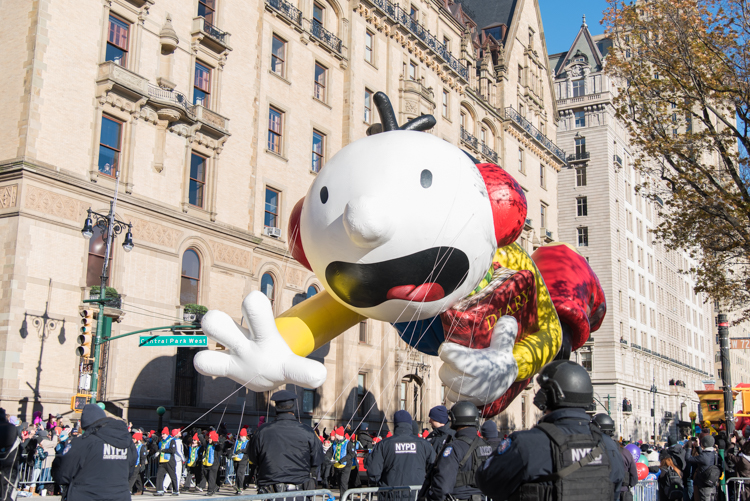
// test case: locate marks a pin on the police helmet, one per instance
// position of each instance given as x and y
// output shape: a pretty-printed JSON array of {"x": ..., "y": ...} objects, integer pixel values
[
  {"x": 605, "y": 423},
  {"x": 563, "y": 384},
  {"x": 464, "y": 413}
]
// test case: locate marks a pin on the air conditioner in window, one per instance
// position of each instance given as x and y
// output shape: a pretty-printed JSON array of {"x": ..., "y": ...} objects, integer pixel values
[{"x": 272, "y": 232}]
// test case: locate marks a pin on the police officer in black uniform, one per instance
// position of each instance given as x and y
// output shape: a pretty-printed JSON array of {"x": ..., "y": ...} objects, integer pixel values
[
  {"x": 402, "y": 459},
  {"x": 630, "y": 476},
  {"x": 98, "y": 463},
  {"x": 286, "y": 452},
  {"x": 441, "y": 430},
  {"x": 564, "y": 457},
  {"x": 457, "y": 464}
]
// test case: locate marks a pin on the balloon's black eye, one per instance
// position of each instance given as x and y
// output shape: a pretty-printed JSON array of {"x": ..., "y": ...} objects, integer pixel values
[
  {"x": 426, "y": 178},
  {"x": 324, "y": 194}
]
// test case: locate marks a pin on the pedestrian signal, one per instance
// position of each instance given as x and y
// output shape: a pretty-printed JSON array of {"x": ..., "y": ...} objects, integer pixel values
[
  {"x": 77, "y": 402},
  {"x": 85, "y": 337}
]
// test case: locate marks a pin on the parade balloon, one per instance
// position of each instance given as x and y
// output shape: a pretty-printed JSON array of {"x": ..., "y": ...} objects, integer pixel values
[
  {"x": 406, "y": 228},
  {"x": 642, "y": 471},
  {"x": 634, "y": 451},
  {"x": 642, "y": 459}
]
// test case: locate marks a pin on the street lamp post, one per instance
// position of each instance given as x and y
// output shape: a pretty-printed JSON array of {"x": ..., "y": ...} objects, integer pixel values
[
  {"x": 653, "y": 406},
  {"x": 109, "y": 227},
  {"x": 726, "y": 372}
]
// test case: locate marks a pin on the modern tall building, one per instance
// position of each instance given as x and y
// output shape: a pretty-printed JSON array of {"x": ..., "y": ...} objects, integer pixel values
[
  {"x": 654, "y": 348},
  {"x": 216, "y": 116}
]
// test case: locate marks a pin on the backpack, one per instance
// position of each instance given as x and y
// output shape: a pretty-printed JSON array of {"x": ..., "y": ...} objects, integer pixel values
[
  {"x": 670, "y": 483},
  {"x": 709, "y": 475}
]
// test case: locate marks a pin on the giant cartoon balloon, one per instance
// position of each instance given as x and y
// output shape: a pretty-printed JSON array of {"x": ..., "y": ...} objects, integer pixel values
[{"x": 405, "y": 228}]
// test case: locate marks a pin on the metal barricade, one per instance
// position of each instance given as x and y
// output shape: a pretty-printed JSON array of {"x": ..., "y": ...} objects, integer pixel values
[
  {"x": 151, "y": 471},
  {"x": 646, "y": 490},
  {"x": 28, "y": 475},
  {"x": 400, "y": 493},
  {"x": 735, "y": 486},
  {"x": 316, "y": 495}
]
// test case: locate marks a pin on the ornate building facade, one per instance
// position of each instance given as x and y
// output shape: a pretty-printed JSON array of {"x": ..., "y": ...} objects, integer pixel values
[
  {"x": 657, "y": 334},
  {"x": 215, "y": 117}
]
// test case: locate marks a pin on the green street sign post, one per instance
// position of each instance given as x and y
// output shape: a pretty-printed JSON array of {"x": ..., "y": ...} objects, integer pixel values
[{"x": 173, "y": 341}]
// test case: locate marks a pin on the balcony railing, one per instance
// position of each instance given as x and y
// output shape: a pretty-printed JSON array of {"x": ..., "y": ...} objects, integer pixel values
[
  {"x": 215, "y": 33},
  {"x": 548, "y": 234},
  {"x": 529, "y": 223},
  {"x": 219, "y": 38},
  {"x": 325, "y": 36},
  {"x": 287, "y": 10},
  {"x": 579, "y": 156},
  {"x": 467, "y": 138},
  {"x": 489, "y": 153},
  {"x": 172, "y": 97},
  {"x": 535, "y": 133},
  {"x": 616, "y": 159},
  {"x": 436, "y": 46}
]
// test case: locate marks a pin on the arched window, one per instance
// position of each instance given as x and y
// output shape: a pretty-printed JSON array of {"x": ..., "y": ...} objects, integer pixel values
[
  {"x": 311, "y": 291},
  {"x": 190, "y": 277},
  {"x": 267, "y": 285},
  {"x": 97, "y": 248}
]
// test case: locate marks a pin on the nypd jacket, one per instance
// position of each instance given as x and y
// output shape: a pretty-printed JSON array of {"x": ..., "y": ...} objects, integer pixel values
[
  {"x": 402, "y": 459},
  {"x": 526, "y": 456},
  {"x": 447, "y": 469},
  {"x": 99, "y": 463},
  {"x": 285, "y": 451}
]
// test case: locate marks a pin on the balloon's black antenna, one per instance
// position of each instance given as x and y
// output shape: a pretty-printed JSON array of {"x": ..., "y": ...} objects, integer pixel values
[{"x": 388, "y": 120}]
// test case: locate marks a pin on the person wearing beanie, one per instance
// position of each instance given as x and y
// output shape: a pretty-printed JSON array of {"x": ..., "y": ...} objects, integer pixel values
[
  {"x": 344, "y": 455},
  {"x": 166, "y": 460},
  {"x": 193, "y": 463},
  {"x": 98, "y": 463},
  {"x": 179, "y": 460},
  {"x": 441, "y": 431},
  {"x": 136, "y": 476},
  {"x": 210, "y": 463},
  {"x": 286, "y": 451},
  {"x": 402, "y": 459},
  {"x": 708, "y": 467},
  {"x": 240, "y": 459},
  {"x": 455, "y": 471},
  {"x": 489, "y": 434}
]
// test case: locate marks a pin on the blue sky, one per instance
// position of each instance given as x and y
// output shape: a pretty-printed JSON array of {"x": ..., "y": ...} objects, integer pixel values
[{"x": 562, "y": 19}]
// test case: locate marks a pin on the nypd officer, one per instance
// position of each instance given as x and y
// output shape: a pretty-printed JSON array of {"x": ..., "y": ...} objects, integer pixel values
[
  {"x": 286, "y": 452},
  {"x": 630, "y": 474},
  {"x": 564, "y": 457},
  {"x": 402, "y": 459},
  {"x": 99, "y": 462},
  {"x": 457, "y": 464}
]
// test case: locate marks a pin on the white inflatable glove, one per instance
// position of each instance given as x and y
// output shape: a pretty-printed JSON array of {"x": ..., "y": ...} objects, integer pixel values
[
  {"x": 481, "y": 376},
  {"x": 258, "y": 357}
]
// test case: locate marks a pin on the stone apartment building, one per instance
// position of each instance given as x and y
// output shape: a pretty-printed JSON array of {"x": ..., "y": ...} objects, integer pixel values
[
  {"x": 216, "y": 116},
  {"x": 657, "y": 332}
]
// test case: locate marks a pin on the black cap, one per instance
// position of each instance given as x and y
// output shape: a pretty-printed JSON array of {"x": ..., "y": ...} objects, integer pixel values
[
  {"x": 91, "y": 414},
  {"x": 489, "y": 429},
  {"x": 283, "y": 396}
]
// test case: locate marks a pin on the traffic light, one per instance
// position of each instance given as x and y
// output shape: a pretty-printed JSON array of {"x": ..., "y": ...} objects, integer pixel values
[{"x": 85, "y": 337}]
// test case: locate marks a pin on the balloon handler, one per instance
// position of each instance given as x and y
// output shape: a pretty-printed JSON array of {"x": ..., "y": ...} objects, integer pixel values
[{"x": 406, "y": 228}]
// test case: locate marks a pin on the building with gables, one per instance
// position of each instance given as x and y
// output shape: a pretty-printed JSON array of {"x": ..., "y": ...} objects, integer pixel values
[
  {"x": 657, "y": 334},
  {"x": 216, "y": 116}
]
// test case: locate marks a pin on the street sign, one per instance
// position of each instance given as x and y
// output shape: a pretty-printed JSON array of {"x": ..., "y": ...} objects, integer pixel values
[
  {"x": 173, "y": 341},
  {"x": 78, "y": 401},
  {"x": 740, "y": 343}
]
